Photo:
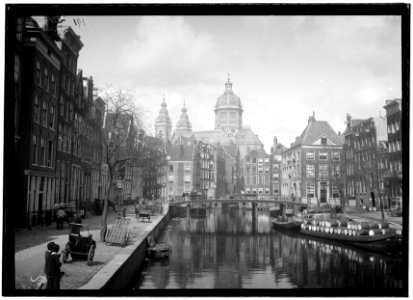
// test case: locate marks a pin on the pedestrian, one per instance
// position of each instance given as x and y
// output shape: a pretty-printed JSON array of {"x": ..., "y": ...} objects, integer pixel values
[
  {"x": 47, "y": 254},
  {"x": 137, "y": 210},
  {"x": 53, "y": 272},
  {"x": 60, "y": 218}
]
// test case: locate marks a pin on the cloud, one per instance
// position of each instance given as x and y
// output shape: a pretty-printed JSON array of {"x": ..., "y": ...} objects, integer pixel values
[{"x": 167, "y": 51}]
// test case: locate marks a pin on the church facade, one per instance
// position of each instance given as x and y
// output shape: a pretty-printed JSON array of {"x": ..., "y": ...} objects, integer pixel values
[{"x": 229, "y": 134}]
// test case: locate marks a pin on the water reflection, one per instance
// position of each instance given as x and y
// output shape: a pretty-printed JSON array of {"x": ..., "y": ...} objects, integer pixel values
[{"x": 232, "y": 249}]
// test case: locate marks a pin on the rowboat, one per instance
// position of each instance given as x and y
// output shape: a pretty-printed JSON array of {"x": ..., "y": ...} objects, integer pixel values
[{"x": 159, "y": 251}]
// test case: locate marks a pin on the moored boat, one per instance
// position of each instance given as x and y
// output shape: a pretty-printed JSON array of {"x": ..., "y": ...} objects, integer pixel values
[
  {"x": 286, "y": 223},
  {"x": 349, "y": 232}
]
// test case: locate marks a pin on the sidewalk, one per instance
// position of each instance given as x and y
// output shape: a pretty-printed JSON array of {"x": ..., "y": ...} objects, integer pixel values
[
  {"x": 29, "y": 262},
  {"x": 375, "y": 216}
]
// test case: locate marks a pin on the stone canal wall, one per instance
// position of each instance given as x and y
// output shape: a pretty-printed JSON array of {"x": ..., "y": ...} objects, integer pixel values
[{"x": 117, "y": 273}]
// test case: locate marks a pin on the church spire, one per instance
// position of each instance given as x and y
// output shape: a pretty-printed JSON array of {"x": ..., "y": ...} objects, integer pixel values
[
  {"x": 183, "y": 125},
  {"x": 163, "y": 124},
  {"x": 228, "y": 84}
]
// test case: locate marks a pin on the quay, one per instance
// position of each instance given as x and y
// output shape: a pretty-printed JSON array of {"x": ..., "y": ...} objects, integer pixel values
[{"x": 112, "y": 265}]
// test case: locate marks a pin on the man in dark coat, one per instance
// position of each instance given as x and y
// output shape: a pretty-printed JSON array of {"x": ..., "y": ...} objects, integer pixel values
[{"x": 53, "y": 265}]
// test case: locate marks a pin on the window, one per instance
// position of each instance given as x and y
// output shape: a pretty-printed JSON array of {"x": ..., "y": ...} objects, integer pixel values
[
  {"x": 19, "y": 29},
  {"x": 50, "y": 154},
  {"x": 187, "y": 167},
  {"x": 38, "y": 79},
  {"x": 63, "y": 81},
  {"x": 36, "y": 110},
  {"x": 336, "y": 156},
  {"x": 51, "y": 117},
  {"x": 260, "y": 190},
  {"x": 335, "y": 192},
  {"x": 74, "y": 147},
  {"x": 17, "y": 65},
  {"x": 187, "y": 178},
  {"x": 267, "y": 160},
  {"x": 171, "y": 168},
  {"x": 310, "y": 171},
  {"x": 277, "y": 157},
  {"x": 53, "y": 86},
  {"x": 44, "y": 114},
  {"x": 43, "y": 151},
  {"x": 323, "y": 156},
  {"x": 336, "y": 170},
  {"x": 46, "y": 80},
  {"x": 34, "y": 150},
  {"x": 62, "y": 106},
  {"x": 254, "y": 160},
  {"x": 310, "y": 189},
  {"x": 323, "y": 141},
  {"x": 223, "y": 117},
  {"x": 276, "y": 188},
  {"x": 232, "y": 117},
  {"x": 254, "y": 170},
  {"x": 310, "y": 155},
  {"x": 60, "y": 138},
  {"x": 260, "y": 161},
  {"x": 323, "y": 170},
  {"x": 71, "y": 112}
]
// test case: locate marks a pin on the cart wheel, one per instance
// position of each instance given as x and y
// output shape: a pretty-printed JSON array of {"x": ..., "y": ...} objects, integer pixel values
[
  {"x": 66, "y": 253},
  {"x": 91, "y": 254}
]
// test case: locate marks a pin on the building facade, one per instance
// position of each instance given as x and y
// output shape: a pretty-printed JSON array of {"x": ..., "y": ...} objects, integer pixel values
[
  {"x": 41, "y": 65},
  {"x": 311, "y": 166},
  {"x": 394, "y": 174},
  {"x": 276, "y": 175},
  {"x": 364, "y": 186},
  {"x": 257, "y": 173}
]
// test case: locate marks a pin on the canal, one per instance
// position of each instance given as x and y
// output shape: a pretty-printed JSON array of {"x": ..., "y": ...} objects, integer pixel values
[{"x": 229, "y": 249}]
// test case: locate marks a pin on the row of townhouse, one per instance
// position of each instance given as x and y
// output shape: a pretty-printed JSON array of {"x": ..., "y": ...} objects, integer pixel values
[
  {"x": 361, "y": 167},
  {"x": 57, "y": 122},
  {"x": 197, "y": 168},
  {"x": 59, "y": 125}
]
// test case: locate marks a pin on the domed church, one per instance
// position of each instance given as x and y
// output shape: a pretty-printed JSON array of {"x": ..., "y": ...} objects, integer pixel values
[{"x": 228, "y": 130}]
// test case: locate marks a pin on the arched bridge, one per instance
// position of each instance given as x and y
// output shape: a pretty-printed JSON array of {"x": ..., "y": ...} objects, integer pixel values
[{"x": 236, "y": 200}]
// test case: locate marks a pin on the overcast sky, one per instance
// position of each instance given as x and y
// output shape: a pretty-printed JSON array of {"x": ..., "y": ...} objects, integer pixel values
[{"x": 282, "y": 67}]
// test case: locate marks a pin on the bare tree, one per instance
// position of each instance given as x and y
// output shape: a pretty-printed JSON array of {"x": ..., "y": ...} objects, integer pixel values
[{"x": 119, "y": 139}]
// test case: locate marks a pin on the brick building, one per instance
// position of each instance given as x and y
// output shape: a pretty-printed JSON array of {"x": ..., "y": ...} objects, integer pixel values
[
  {"x": 275, "y": 160},
  {"x": 311, "y": 166},
  {"x": 394, "y": 175},
  {"x": 41, "y": 63},
  {"x": 363, "y": 183}
]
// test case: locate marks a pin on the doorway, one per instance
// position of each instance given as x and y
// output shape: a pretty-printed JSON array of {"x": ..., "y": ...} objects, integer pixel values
[{"x": 323, "y": 192}]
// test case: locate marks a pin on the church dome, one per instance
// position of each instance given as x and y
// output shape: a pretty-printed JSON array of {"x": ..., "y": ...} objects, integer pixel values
[{"x": 228, "y": 99}]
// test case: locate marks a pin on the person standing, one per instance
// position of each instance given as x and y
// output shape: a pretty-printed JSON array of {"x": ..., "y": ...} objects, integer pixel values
[
  {"x": 60, "y": 218},
  {"x": 47, "y": 255},
  {"x": 53, "y": 265}
]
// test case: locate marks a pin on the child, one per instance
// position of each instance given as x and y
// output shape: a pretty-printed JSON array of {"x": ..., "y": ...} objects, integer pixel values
[
  {"x": 47, "y": 254},
  {"x": 53, "y": 269}
]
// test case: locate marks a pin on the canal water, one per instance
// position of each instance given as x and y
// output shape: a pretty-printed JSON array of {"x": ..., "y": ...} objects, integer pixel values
[{"x": 226, "y": 248}]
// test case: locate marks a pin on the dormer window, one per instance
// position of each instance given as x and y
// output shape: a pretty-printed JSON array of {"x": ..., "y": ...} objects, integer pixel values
[{"x": 323, "y": 141}]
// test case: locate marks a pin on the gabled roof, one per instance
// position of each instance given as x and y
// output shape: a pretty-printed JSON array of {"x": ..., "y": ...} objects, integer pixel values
[{"x": 314, "y": 131}]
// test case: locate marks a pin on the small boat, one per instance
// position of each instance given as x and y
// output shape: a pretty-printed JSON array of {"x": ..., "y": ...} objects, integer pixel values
[
  {"x": 286, "y": 223},
  {"x": 159, "y": 251}
]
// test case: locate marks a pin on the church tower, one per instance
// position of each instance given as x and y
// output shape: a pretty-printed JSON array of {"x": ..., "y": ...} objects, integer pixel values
[
  {"x": 163, "y": 124},
  {"x": 183, "y": 126},
  {"x": 228, "y": 110}
]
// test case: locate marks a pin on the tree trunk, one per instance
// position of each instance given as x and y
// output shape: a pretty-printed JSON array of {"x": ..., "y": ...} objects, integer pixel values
[{"x": 104, "y": 225}]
